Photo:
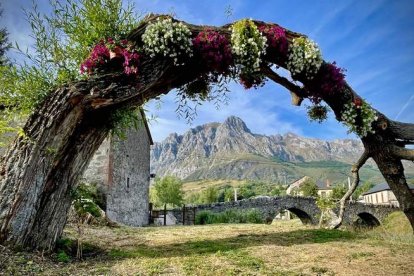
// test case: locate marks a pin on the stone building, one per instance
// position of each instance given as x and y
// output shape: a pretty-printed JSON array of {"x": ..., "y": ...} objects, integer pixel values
[
  {"x": 293, "y": 188},
  {"x": 324, "y": 187},
  {"x": 121, "y": 170},
  {"x": 381, "y": 194}
]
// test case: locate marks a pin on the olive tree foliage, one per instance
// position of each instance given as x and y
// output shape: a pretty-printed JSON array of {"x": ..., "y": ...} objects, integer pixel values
[
  {"x": 167, "y": 190},
  {"x": 61, "y": 40}
]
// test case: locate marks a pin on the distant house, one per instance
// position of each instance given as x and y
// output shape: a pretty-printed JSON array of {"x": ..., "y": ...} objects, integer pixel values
[
  {"x": 324, "y": 187},
  {"x": 121, "y": 170},
  {"x": 382, "y": 194},
  {"x": 295, "y": 186}
]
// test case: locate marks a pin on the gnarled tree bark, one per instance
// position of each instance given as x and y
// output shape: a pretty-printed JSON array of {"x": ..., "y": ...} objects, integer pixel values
[{"x": 40, "y": 169}]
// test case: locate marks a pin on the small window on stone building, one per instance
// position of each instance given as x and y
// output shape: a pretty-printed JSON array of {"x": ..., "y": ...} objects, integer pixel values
[{"x": 127, "y": 183}]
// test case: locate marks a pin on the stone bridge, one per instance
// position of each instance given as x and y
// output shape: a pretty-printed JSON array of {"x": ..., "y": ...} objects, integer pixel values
[{"x": 303, "y": 207}]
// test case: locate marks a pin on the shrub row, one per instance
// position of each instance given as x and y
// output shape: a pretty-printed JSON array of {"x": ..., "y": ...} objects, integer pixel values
[{"x": 229, "y": 216}]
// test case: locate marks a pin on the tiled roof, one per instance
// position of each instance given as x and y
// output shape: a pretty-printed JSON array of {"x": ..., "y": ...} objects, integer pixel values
[
  {"x": 382, "y": 187},
  {"x": 322, "y": 185}
]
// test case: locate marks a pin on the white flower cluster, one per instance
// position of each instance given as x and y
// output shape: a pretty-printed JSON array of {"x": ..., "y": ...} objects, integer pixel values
[
  {"x": 304, "y": 56},
  {"x": 169, "y": 39},
  {"x": 248, "y": 45},
  {"x": 365, "y": 112}
]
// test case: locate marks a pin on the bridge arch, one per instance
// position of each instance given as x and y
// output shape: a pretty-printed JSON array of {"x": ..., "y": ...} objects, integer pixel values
[
  {"x": 304, "y": 217},
  {"x": 366, "y": 219}
]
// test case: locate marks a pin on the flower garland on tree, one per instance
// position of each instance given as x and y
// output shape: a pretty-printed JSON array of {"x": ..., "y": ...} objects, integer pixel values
[
  {"x": 248, "y": 45},
  {"x": 169, "y": 39},
  {"x": 97, "y": 58},
  {"x": 304, "y": 57},
  {"x": 359, "y": 116},
  {"x": 107, "y": 50},
  {"x": 276, "y": 38},
  {"x": 332, "y": 79},
  {"x": 214, "y": 49}
]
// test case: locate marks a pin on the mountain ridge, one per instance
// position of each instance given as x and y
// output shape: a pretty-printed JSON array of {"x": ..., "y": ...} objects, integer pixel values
[{"x": 230, "y": 150}]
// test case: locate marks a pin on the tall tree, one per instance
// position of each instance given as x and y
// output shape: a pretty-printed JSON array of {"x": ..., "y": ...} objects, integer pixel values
[
  {"x": 65, "y": 129},
  {"x": 169, "y": 190},
  {"x": 210, "y": 195},
  {"x": 309, "y": 188}
]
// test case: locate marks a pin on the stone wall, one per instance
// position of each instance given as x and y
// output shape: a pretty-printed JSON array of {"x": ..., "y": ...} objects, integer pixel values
[
  {"x": 97, "y": 171},
  {"x": 121, "y": 170},
  {"x": 128, "y": 180}
]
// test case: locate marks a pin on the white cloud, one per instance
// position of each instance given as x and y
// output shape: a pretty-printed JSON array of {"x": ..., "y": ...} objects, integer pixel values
[{"x": 408, "y": 103}]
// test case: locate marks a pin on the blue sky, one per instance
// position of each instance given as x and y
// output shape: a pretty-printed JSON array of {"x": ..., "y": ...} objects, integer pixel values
[{"x": 372, "y": 39}]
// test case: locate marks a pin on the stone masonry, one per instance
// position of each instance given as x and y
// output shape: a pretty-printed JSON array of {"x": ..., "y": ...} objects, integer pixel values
[
  {"x": 121, "y": 170},
  {"x": 304, "y": 207}
]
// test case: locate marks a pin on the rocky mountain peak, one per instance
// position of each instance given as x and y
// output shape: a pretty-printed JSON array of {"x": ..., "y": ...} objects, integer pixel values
[
  {"x": 236, "y": 124},
  {"x": 230, "y": 150}
]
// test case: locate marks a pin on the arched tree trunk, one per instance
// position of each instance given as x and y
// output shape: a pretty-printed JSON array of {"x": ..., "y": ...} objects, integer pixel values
[{"x": 40, "y": 168}]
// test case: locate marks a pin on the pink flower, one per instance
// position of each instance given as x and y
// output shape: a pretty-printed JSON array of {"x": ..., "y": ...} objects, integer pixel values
[
  {"x": 101, "y": 54},
  {"x": 124, "y": 42},
  {"x": 214, "y": 49},
  {"x": 332, "y": 78},
  {"x": 131, "y": 62},
  {"x": 276, "y": 38}
]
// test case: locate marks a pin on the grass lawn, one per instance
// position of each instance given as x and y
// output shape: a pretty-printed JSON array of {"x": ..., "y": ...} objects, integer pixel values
[{"x": 283, "y": 248}]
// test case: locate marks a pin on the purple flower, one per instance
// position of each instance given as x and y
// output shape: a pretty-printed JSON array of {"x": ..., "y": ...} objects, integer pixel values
[
  {"x": 101, "y": 54},
  {"x": 214, "y": 49},
  {"x": 276, "y": 38},
  {"x": 131, "y": 62},
  {"x": 332, "y": 78},
  {"x": 98, "y": 57}
]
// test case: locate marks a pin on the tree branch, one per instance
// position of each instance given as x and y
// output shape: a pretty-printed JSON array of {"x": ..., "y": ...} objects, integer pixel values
[
  {"x": 355, "y": 173},
  {"x": 297, "y": 92},
  {"x": 403, "y": 131},
  {"x": 403, "y": 153}
]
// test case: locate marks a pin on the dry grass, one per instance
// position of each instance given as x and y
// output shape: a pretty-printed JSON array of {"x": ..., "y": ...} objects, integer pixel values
[{"x": 283, "y": 248}]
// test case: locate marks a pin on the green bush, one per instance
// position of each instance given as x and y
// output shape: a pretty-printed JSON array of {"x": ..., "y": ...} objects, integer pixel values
[
  {"x": 204, "y": 217},
  {"x": 63, "y": 257},
  {"x": 65, "y": 244},
  {"x": 229, "y": 216},
  {"x": 254, "y": 216},
  {"x": 84, "y": 200}
]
